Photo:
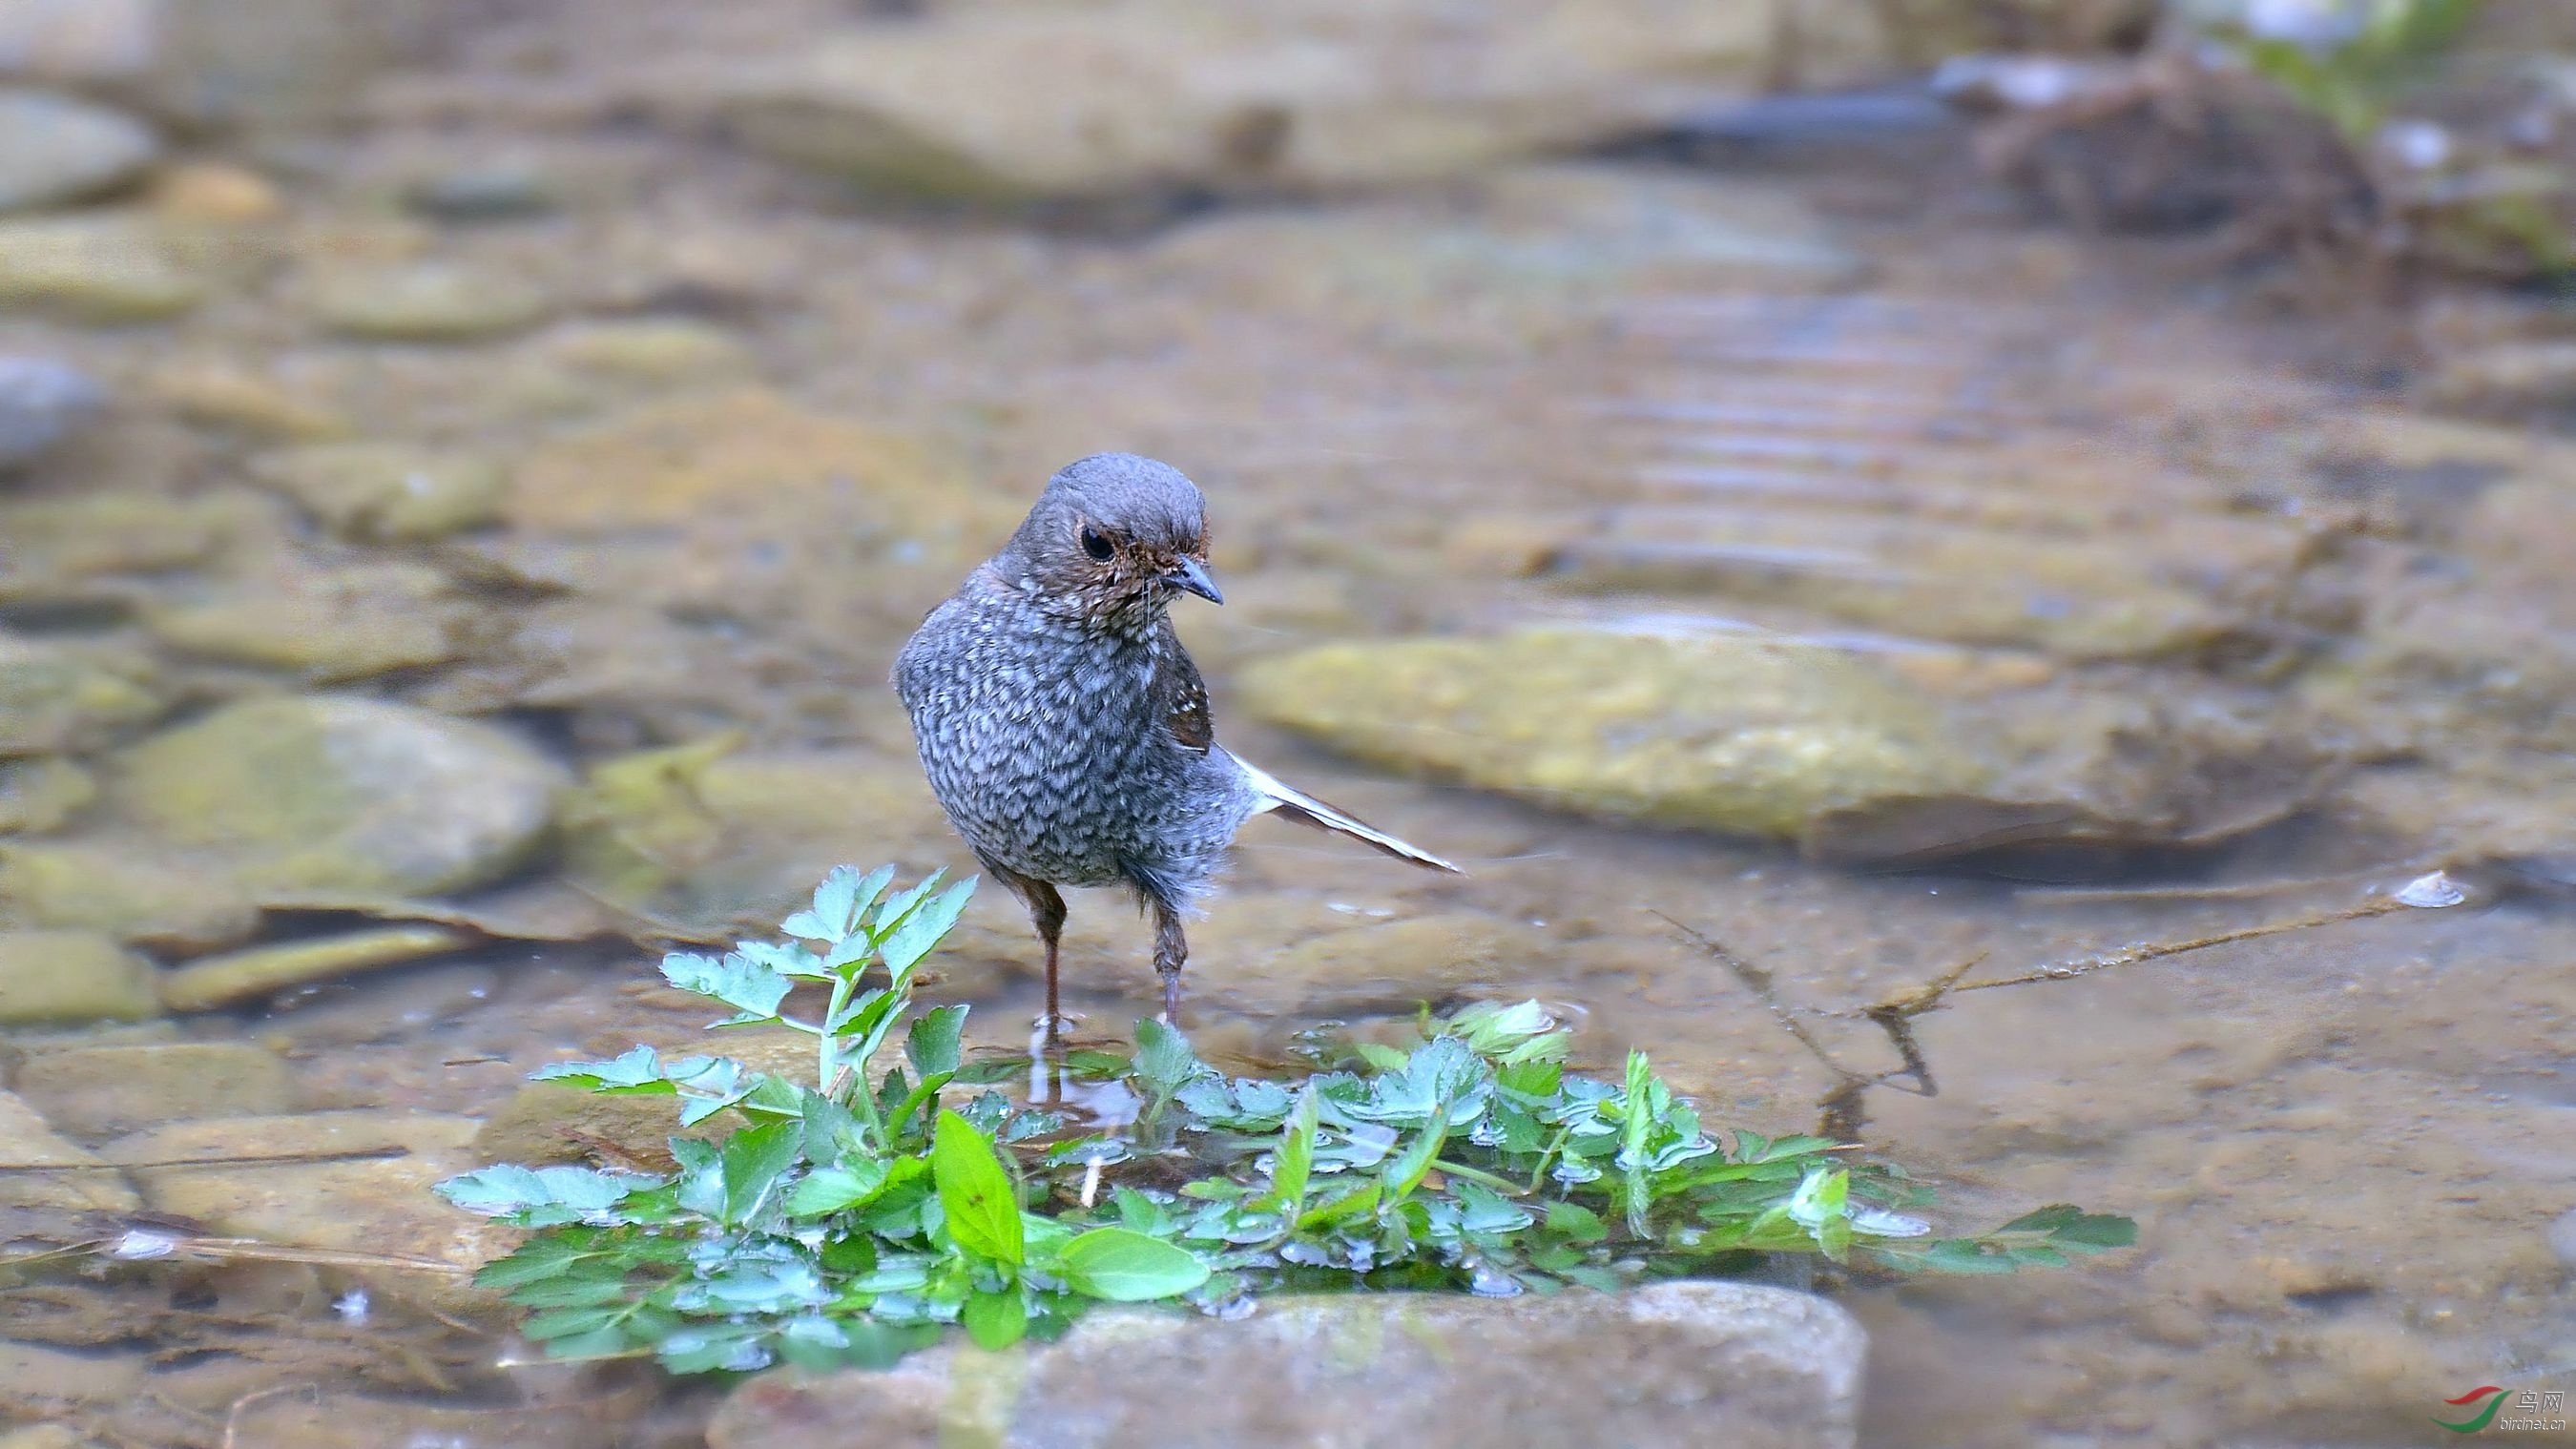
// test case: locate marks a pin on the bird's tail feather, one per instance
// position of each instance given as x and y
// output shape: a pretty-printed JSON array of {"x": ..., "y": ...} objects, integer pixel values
[{"x": 1305, "y": 809}]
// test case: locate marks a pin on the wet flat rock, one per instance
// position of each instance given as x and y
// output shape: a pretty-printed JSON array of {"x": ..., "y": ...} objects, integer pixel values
[
  {"x": 1854, "y": 756},
  {"x": 1674, "y": 1364}
]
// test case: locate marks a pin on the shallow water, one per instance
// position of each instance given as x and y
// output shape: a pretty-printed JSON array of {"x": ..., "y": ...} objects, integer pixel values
[{"x": 1454, "y": 413}]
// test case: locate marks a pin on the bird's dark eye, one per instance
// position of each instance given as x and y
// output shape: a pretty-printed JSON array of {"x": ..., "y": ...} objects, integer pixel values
[{"x": 1095, "y": 545}]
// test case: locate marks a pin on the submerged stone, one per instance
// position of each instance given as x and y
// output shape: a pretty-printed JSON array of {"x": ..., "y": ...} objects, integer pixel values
[
  {"x": 57, "y": 545},
  {"x": 1748, "y": 739},
  {"x": 101, "y": 1091},
  {"x": 98, "y": 271},
  {"x": 38, "y": 795},
  {"x": 73, "y": 976},
  {"x": 427, "y": 302},
  {"x": 53, "y": 698},
  {"x": 374, "y": 1199},
  {"x": 139, "y": 896},
  {"x": 54, "y": 149},
  {"x": 261, "y": 971},
  {"x": 26, "y": 1140},
  {"x": 42, "y": 402},
  {"x": 1151, "y": 101},
  {"x": 1390, "y": 964},
  {"x": 1857, "y": 757},
  {"x": 547, "y": 1122},
  {"x": 701, "y": 842},
  {"x": 387, "y": 492},
  {"x": 1672, "y": 1364},
  {"x": 750, "y": 452},
  {"x": 237, "y": 400},
  {"x": 329, "y": 625},
  {"x": 330, "y": 793}
]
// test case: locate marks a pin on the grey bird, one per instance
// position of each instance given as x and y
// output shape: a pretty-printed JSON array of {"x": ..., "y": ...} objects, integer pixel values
[{"x": 1064, "y": 728}]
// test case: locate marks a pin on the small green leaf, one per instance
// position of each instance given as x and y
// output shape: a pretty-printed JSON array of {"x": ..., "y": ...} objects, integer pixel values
[
  {"x": 1578, "y": 1223},
  {"x": 995, "y": 1321},
  {"x": 933, "y": 1045},
  {"x": 1164, "y": 1060},
  {"x": 975, "y": 1191},
  {"x": 1292, "y": 1162},
  {"x": 639, "y": 1070},
  {"x": 751, "y": 989},
  {"x": 831, "y": 1189},
  {"x": 919, "y": 935},
  {"x": 1124, "y": 1266},
  {"x": 753, "y": 1159}
]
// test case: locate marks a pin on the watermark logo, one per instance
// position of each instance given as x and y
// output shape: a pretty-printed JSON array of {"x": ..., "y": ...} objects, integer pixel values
[{"x": 2532, "y": 1409}]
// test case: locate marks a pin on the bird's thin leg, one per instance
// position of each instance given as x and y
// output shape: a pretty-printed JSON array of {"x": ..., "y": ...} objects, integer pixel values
[{"x": 1171, "y": 952}]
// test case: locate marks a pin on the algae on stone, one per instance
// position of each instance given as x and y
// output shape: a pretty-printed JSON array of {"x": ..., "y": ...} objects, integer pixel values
[
  {"x": 338, "y": 793},
  {"x": 39, "y": 795},
  {"x": 1854, "y": 756},
  {"x": 123, "y": 887},
  {"x": 72, "y": 976},
  {"x": 1718, "y": 734},
  {"x": 329, "y": 625},
  {"x": 53, "y": 698},
  {"x": 387, "y": 492}
]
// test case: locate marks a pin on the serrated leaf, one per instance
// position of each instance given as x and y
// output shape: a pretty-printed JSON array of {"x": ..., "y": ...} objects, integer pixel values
[
  {"x": 751, "y": 989},
  {"x": 1164, "y": 1061},
  {"x": 830, "y": 1189},
  {"x": 1578, "y": 1223},
  {"x": 1123, "y": 1266},
  {"x": 1292, "y": 1162},
  {"x": 934, "y": 1044},
  {"x": 753, "y": 1159},
  {"x": 921, "y": 933},
  {"x": 975, "y": 1191},
  {"x": 639, "y": 1069}
]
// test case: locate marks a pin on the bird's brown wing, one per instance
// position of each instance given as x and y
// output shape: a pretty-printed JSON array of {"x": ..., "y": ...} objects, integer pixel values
[{"x": 1182, "y": 695}]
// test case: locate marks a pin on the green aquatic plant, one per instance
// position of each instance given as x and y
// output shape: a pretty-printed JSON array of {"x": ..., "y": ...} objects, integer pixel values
[
  {"x": 858, "y": 1216},
  {"x": 2351, "y": 73}
]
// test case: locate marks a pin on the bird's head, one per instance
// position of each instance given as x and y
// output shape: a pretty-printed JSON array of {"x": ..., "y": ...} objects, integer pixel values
[{"x": 1111, "y": 541}]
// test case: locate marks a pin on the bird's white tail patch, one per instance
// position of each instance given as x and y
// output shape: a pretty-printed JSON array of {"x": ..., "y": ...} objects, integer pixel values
[{"x": 1305, "y": 809}]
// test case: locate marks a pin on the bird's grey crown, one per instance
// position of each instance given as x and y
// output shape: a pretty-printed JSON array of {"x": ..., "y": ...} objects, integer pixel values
[{"x": 1152, "y": 503}]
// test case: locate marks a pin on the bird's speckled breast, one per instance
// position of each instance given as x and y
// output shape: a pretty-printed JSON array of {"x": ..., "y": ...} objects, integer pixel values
[{"x": 1044, "y": 743}]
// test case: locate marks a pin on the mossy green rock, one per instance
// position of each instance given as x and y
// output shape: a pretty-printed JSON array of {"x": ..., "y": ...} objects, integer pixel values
[
  {"x": 40, "y": 794},
  {"x": 99, "y": 1091},
  {"x": 1748, "y": 738},
  {"x": 141, "y": 897},
  {"x": 387, "y": 492},
  {"x": 73, "y": 976},
  {"x": 58, "y": 545},
  {"x": 329, "y": 793},
  {"x": 328, "y": 625},
  {"x": 53, "y": 698}
]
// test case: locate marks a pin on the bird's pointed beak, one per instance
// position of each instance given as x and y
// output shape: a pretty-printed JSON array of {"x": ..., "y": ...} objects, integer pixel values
[{"x": 1193, "y": 576}]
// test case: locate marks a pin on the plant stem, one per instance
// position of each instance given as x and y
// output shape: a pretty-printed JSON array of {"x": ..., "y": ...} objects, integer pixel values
[{"x": 1495, "y": 1181}]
